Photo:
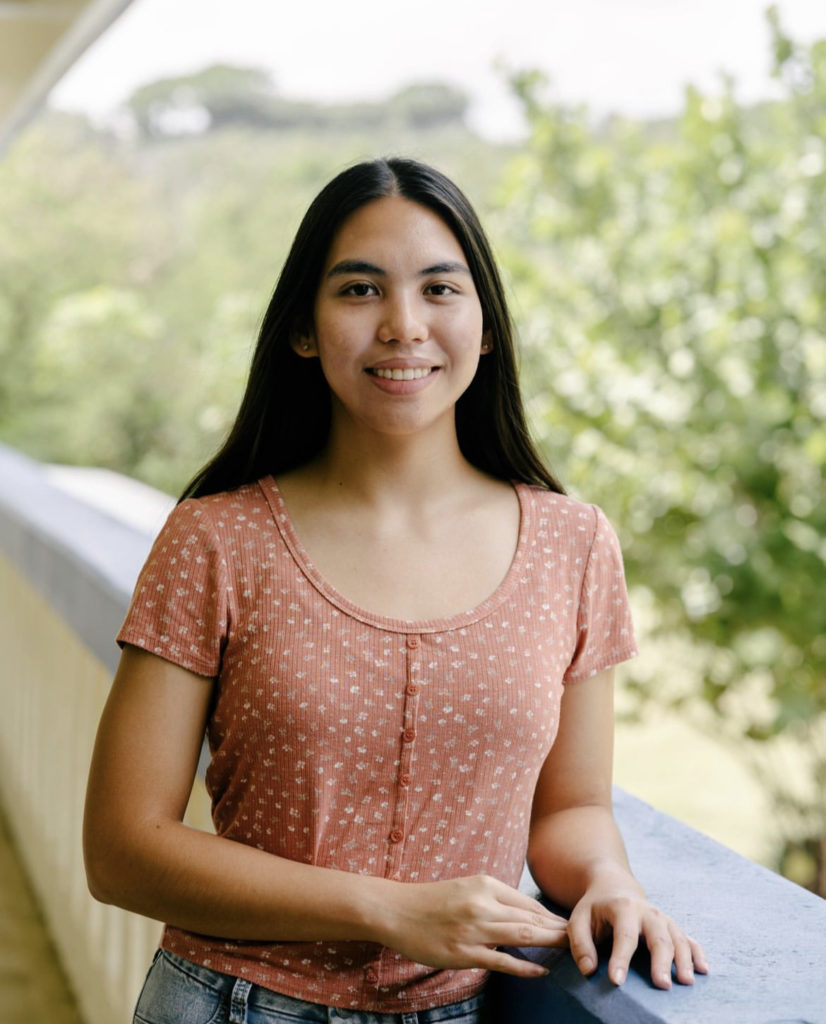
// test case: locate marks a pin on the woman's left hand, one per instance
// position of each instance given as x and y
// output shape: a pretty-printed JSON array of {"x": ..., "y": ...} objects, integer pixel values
[{"x": 617, "y": 906}]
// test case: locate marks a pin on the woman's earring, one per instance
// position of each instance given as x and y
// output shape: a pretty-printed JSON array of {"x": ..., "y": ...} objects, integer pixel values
[
  {"x": 303, "y": 343},
  {"x": 486, "y": 346}
]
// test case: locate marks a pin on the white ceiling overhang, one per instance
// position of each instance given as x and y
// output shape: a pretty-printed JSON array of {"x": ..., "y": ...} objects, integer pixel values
[{"x": 39, "y": 42}]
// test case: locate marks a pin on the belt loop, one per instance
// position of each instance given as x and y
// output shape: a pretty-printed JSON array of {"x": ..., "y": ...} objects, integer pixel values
[
  {"x": 238, "y": 1001},
  {"x": 410, "y": 1018}
]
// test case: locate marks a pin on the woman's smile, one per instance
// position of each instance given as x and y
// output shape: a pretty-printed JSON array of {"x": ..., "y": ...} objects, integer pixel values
[
  {"x": 408, "y": 373},
  {"x": 400, "y": 377}
]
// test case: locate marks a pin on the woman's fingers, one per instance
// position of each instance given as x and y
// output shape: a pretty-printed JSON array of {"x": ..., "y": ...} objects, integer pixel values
[
  {"x": 626, "y": 927},
  {"x": 460, "y": 922},
  {"x": 527, "y": 922},
  {"x": 515, "y": 933},
  {"x": 684, "y": 960},
  {"x": 662, "y": 948},
  {"x": 690, "y": 958},
  {"x": 514, "y": 919},
  {"x": 670, "y": 946},
  {"x": 518, "y": 901},
  {"x": 581, "y": 940},
  {"x": 698, "y": 955},
  {"x": 497, "y": 960},
  {"x": 629, "y": 921}
]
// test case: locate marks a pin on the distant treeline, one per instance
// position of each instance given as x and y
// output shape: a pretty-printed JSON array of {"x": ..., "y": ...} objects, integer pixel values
[{"x": 222, "y": 96}]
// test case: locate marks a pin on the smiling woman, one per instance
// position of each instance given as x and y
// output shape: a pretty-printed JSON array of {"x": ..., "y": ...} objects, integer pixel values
[{"x": 398, "y": 634}]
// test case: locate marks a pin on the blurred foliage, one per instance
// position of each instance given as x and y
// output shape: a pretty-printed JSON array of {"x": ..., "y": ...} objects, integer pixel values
[
  {"x": 134, "y": 268},
  {"x": 671, "y": 290}
]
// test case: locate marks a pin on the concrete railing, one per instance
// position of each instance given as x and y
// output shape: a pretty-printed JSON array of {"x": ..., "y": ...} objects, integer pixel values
[{"x": 66, "y": 574}]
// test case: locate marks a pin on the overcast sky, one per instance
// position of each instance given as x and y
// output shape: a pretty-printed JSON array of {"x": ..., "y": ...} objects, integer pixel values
[{"x": 627, "y": 56}]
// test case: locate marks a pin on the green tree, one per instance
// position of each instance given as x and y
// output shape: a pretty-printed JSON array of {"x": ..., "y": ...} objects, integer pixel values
[
  {"x": 214, "y": 97},
  {"x": 671, "y": 285},
  {"x": 428, "y": 105},
  {"x": 223, "y": 96},
  {"x": 72, "y": 217}
]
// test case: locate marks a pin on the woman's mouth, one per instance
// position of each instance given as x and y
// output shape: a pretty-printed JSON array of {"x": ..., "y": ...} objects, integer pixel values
[{"x": 409, "y": 373}]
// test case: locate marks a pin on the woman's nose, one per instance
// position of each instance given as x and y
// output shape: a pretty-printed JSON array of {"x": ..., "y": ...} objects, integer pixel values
[{"x": 402, "y": 321}]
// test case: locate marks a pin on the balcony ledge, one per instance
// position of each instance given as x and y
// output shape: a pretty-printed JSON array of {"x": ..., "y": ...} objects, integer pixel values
[{"x": 765, "y": 938}]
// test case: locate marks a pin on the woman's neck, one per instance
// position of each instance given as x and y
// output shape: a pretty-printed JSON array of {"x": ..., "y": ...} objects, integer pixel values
[{"x": 377, "y": 469}]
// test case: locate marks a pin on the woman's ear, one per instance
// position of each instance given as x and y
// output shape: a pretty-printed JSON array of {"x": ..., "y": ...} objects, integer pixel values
[
  {"x": 487, "y": 343},
  {"x": 303, "y": 344}
]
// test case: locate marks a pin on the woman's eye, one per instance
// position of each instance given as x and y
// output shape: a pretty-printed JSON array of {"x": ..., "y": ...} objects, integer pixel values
[
  {"x": 361, "y": 289},
  {"x": 440, "y": 289}
]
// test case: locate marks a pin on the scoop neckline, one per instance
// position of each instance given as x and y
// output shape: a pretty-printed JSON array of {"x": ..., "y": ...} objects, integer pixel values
[{"x": 281, "y": 515}]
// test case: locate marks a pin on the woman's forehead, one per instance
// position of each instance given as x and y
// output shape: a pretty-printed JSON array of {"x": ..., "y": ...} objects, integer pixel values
[{"x": 394, "y": 229}]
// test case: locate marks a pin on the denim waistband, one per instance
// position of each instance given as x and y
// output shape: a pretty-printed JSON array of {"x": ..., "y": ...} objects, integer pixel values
[{"x": 245, "y": 996}]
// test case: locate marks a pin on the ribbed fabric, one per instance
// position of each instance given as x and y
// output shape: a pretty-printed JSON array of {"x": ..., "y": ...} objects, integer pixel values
[{"x": 366, "y": 744}]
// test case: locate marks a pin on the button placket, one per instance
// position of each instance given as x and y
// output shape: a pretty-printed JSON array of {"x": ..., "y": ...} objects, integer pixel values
[{"x": 412, "y": 690}]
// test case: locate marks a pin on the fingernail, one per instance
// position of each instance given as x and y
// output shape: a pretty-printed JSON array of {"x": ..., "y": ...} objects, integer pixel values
[
  {"x": 585, "y": 964},
  {"x": 619, "y": 976}
]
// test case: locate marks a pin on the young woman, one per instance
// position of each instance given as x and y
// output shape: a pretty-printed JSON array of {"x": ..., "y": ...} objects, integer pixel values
[{"x": 398, "y": 634}]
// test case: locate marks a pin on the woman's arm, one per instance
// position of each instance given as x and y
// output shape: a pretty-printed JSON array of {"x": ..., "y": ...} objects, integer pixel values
[
  {"x": 141, "y": 857},
  {"x": 576, "y": 854}
]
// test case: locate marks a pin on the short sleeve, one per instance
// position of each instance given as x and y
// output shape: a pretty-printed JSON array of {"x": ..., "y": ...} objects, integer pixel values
[
  {"x": 605, "y": 629},
  {"x": 179, "y": 609}
]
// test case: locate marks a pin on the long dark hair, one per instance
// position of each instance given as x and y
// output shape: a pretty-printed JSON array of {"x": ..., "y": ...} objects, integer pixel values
[{"x": 284, "y": 419}]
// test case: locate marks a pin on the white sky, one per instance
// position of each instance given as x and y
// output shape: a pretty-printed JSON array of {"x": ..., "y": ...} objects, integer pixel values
[{"x": 628, "y": 56}]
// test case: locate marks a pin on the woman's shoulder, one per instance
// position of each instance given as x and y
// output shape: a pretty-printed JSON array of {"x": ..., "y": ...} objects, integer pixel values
[
  {"x": 549, "y": 502},
  {"x": 563, "y": 514},
  {"x": 247, "y": 496},
  {"x": 216, "y": 512}
]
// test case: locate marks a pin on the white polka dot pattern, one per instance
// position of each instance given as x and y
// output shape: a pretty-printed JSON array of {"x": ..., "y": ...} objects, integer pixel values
[{"x": 346, "y": 739}]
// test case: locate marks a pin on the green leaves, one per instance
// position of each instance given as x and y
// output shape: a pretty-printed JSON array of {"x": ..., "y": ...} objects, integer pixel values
[{"x": 671, "y": 281}]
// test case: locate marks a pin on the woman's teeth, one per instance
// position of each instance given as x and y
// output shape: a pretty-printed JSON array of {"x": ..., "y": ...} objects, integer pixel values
[{"x": 407, "y": 374}]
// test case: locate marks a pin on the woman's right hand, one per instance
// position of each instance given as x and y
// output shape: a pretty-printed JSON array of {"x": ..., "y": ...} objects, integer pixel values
[{"x": 459, "y": 923}]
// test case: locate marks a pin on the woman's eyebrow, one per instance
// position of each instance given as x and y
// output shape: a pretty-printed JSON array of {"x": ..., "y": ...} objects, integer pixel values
[
  {"x": 450, "y": 267},
  {"x": 364, "y": 267},
  {"x": 354, "y": 267}
]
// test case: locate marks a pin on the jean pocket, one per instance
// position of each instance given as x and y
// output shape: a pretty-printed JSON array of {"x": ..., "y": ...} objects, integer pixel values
[
  {"x": 171, "y": 995},
  {"x": 266, "y": 1007},
  {"x": 468, "y": 1011}
]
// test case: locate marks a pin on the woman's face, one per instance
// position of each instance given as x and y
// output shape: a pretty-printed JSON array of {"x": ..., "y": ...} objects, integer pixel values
[{"x": 397, "y": 321}]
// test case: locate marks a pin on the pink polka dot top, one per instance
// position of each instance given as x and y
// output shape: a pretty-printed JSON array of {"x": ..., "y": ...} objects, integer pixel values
[{"x": 342, "y": 738}]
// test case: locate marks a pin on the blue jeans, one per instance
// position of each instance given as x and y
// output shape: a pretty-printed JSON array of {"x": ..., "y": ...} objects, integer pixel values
[{"x": 179, "y": 992}]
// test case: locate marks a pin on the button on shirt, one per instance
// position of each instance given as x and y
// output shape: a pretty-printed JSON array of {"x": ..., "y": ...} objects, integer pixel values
[{"x": 361, "y": 743}]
